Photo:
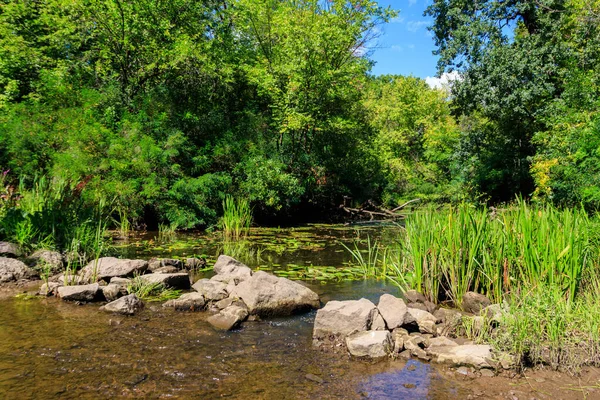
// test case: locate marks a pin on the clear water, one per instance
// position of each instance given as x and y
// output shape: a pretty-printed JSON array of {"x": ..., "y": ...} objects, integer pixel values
[{"x": 55, "y": 350}]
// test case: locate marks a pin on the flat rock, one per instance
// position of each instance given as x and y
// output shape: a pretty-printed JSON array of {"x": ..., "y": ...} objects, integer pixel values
[
  {"x": 229, "y": 270},
  {"x": 187, "y": 302},
  {"x": 14, "y": 270},
  {"x": 268, "y": 295},
  {"x": 211, "y": 290},
  {"x": 228, "y": 318},
  {"x": 372, "y": 344},
  {"x": 343, "y": 318},
  {"x": 79, "y": 292},
  {"x": 8, "y": 249},
  {"x": 109, "y": 267},
  {"x": 127, "y": 305},
  {"x": 474, "y": 355},
  {"x": 46, "y": 260},
  {"x": 179, "y": 280},
  {"x": 393, "y": 310},
  {"x": 474, "y": 302}
]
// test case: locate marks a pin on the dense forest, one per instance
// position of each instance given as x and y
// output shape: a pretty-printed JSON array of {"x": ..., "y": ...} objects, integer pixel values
[{"x": 159, "y": 109}]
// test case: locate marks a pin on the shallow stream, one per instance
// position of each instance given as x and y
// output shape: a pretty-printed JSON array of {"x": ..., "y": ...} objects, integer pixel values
[{"x": 55, "y": 350}]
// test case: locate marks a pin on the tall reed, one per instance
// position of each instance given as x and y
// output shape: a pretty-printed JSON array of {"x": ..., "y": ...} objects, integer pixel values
[
  {"x": 237, "y": 217},
  {"x": 458, "y": 249}
]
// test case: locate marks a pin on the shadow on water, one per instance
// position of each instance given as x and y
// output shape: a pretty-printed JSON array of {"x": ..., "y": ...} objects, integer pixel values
[{"x": 55, "y": 350}]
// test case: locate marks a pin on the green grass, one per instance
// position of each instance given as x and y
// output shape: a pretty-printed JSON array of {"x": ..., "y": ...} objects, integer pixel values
[
  {"x": 237, "y": 217},
  {"x": 149, "y": 291}
]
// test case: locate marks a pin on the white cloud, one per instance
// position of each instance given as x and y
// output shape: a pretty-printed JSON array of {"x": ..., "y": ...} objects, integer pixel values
[
  {"x": 411, "y": 46},
  {"x": 412, "y": 2},
  {"x": 397, "y": 48},
  {"x": 397, "y": 20},
  {"x": 444, "y": 81},
  {"x": 413, "y": 26}
]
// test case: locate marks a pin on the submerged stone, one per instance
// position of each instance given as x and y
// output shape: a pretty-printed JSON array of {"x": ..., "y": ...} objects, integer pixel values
[
  {"x": 229, "y": 318},
  {"x": 372, "y": 344},
  {"x": 187, "y": 302},
  {"x": 268, "y": 295},
  {"x": 84, "y": 293},
  {"x": 127, "y": 305},
  {"x": 342, "y": 318}
]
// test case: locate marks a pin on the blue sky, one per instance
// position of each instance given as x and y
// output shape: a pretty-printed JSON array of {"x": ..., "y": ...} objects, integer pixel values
[{"x": 405, "y": 45}]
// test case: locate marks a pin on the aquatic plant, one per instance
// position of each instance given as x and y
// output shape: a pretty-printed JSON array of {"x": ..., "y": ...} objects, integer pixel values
[
  {"x": 237, "y": 217},
  {"x": 457, "y": 249}
]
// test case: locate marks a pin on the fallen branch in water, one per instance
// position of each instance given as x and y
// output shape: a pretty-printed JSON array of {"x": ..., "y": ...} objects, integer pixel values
[{"x": 380, "y": 212}]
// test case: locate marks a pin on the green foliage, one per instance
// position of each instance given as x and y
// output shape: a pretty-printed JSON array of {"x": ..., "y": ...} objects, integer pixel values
[
  {"x": 416, "y": 138},
  {"x": 53, "y": 214}
]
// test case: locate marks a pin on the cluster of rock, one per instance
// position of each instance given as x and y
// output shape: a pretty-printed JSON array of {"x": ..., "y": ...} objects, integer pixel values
[
  {"x": 395, "y": 328},
  {"x": 239, "y": 293},
  {"x": 235, "y": 292}
]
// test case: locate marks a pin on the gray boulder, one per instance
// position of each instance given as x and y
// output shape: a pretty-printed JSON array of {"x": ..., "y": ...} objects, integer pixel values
[
  {"x": 49, "y": 289},
  {"x": 393, "y": 310},
  {"x": 229, "y": 270},
  {"x": 339, "y": 319},
  {"x": 424, "y": 320},
  {"x": 378, "y": 323},
  {"x": 79, "y": 292},
  {"x": 268, "y": 295},
  {"x": 14, "y": 270},
  {"x": 46, "y": 260},
  {"x": 178, "y": 281},
  {"x": 113, "y": 291},
  {"x": 193, "y": 301},
  {"x": 8, "y": 249},
  {"x": 372, "y": 344},
  {"x": 229, "y": 318},
  {"x": 108, "y": 267},
  {"x": 211, "y": 290},
  {"x": 127, "y": 305},
  {"x": 474, "y": 302}
]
